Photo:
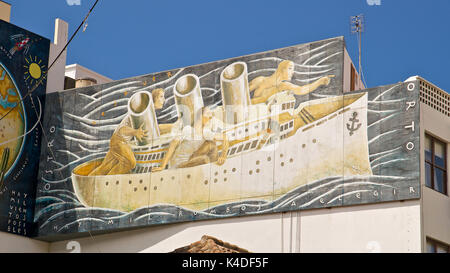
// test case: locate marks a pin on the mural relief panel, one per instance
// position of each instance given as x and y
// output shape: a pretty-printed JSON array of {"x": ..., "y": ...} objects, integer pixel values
[
  {"x": 23, "y": 68},
  {"x": 257, "y": 134}
]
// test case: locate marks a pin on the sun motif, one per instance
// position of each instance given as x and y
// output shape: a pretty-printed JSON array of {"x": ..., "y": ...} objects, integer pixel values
[{"x": 35, "y": 71}]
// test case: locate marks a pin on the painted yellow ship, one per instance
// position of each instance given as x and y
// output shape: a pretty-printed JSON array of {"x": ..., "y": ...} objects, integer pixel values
[{"x": 273, "y": 148}]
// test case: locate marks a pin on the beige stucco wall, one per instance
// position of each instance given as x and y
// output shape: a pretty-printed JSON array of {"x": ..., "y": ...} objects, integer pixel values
[
  {"x": 436, "y": 206},
  {"x": 387, "y": 227},
  {"x": 10, "y": 243},
  {"x": 5, "y": 11}
]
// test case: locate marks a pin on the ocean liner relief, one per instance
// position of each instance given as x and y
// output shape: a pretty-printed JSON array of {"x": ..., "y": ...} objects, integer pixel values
[{"x": 258, "y": 147}]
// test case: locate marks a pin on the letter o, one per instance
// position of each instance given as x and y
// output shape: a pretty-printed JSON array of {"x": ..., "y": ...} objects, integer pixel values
[
  {"x": 47, "y": 187},
  {"x": 52, "y": 129},
  {"x": 410, "y": 146},
  {"x": 411, "y": 86}
]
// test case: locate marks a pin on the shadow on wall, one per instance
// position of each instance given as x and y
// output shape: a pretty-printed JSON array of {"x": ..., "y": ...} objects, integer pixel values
[
  {"x": 239, "y": 231},
  {"x": 244, "y": 232}
]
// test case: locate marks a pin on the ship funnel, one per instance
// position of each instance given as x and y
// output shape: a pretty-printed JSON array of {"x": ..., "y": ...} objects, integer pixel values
[
  {"x": 188, "y": 98},
  {"x": 235, "y": 92},
  {"x": 142, "y": 112}
]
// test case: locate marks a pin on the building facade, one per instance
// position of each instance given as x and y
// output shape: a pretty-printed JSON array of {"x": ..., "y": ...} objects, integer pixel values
[
  {"x": 398, "y": 226},
  {"x": 388, "y": 195}
]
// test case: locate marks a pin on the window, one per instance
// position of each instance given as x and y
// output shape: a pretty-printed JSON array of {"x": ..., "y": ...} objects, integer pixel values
[
  {"x": 254, "y": 143},
  {"x": 436, "y": 247},
  {"x": 247, "y": 146},
  {"x": 240, "y": 148},
  {"x": 435, "y": 164}
]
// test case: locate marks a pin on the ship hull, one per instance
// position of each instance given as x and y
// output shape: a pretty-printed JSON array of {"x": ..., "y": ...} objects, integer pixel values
[{"x": 335, "y": 145}]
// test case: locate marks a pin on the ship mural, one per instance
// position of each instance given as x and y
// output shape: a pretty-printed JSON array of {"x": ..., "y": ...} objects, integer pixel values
[{"x": 263, "y": 133}]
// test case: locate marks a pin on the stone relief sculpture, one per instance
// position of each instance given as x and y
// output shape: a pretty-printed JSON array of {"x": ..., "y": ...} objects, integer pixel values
[{"x": 258, "y": 134}]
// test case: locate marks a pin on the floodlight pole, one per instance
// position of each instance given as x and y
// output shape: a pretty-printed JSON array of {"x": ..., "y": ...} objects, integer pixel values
[
  {"x": 357, "y": 26},
  {"x": 359, "y": 48}
]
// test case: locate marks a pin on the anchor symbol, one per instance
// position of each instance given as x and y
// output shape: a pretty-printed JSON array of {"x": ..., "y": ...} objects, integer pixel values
[{"x": 354, "y": 120}]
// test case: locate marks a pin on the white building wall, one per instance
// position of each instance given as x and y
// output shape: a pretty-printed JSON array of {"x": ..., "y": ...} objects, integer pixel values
[
  {"x": 11, "y": 243},
  {"x": 76, "y": 71},
  {"x": 386, "y": 227},
  {"x": 55, "y": 78}
]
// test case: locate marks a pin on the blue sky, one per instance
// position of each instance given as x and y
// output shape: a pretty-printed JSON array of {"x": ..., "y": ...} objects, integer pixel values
[{"x": 136, "y": 37}]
